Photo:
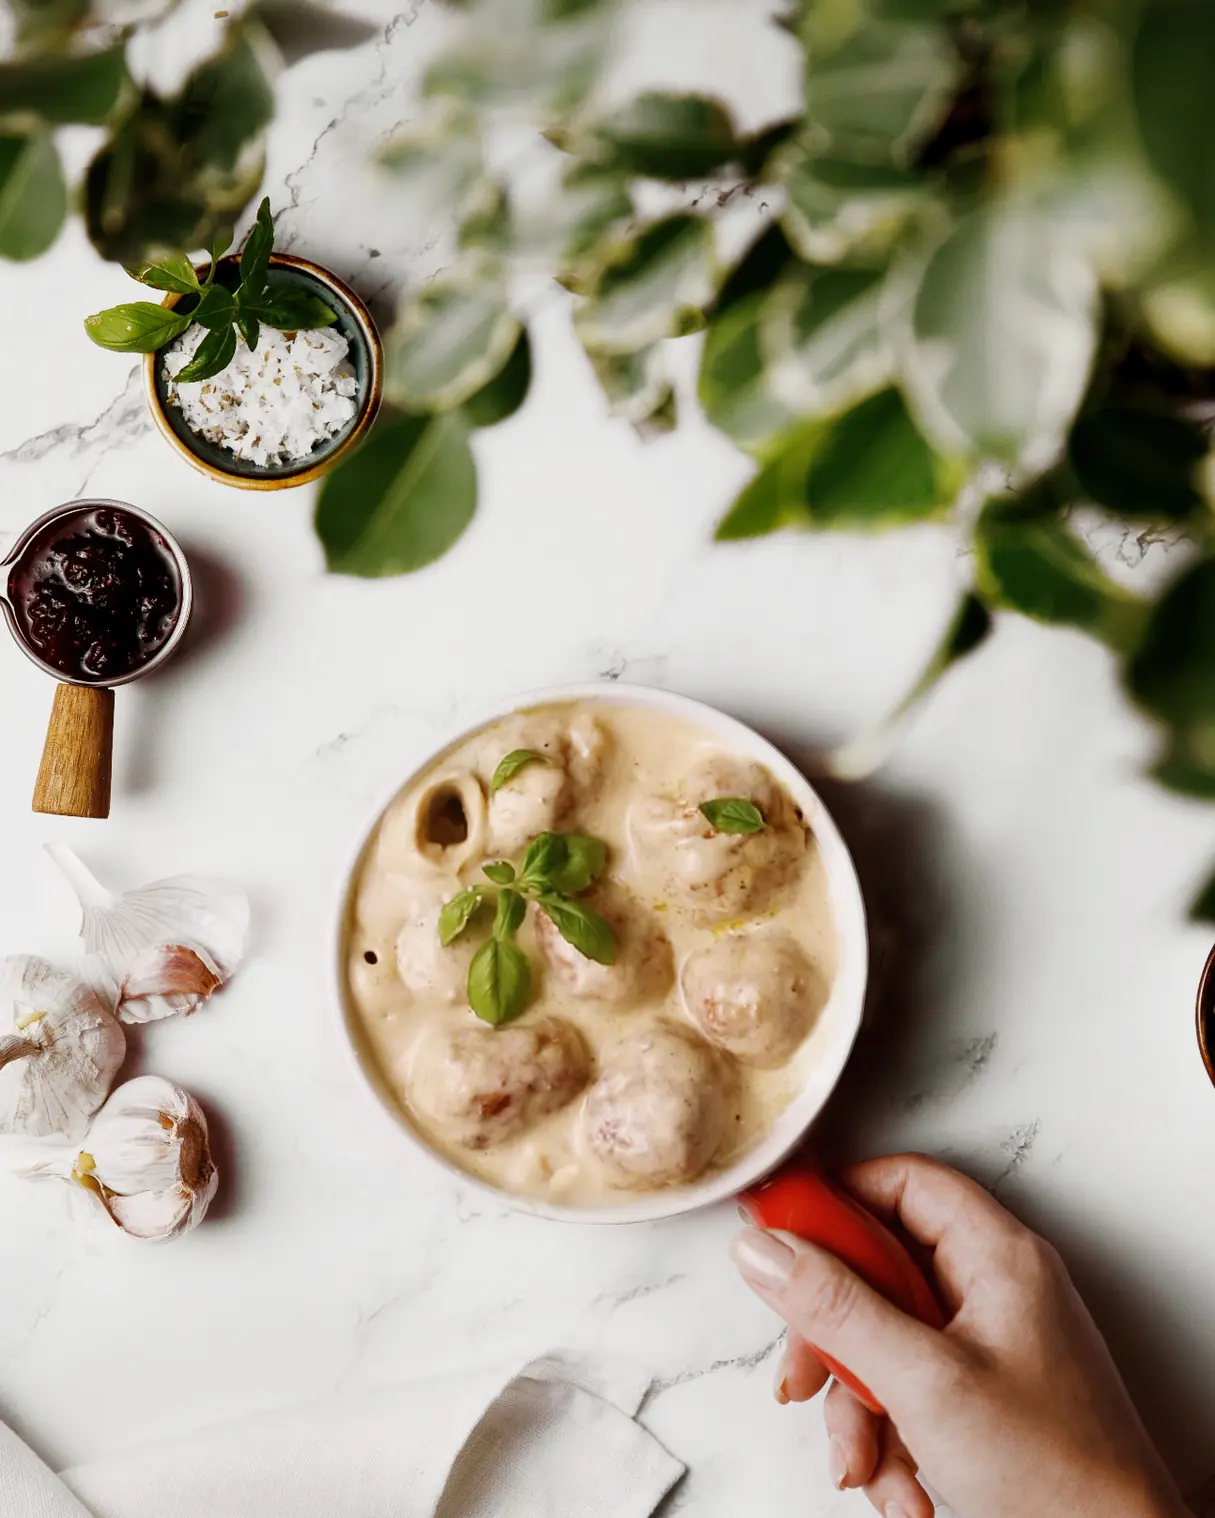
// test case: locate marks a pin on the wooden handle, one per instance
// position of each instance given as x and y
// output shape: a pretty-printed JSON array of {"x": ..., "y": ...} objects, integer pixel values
[{"x": 74, "y": 776}]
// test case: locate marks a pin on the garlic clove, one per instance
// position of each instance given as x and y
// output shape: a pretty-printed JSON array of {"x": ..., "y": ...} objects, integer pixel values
[
  {"x": 160, "y": 950},
  {"x": 61, "y": 1053},
  {"x": 147, "y": 1159},
  {"x": 167, "y": 975}
]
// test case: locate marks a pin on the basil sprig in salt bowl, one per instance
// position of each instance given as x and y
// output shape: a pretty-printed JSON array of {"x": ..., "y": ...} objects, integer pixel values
[{"x": 252, "y": 371}]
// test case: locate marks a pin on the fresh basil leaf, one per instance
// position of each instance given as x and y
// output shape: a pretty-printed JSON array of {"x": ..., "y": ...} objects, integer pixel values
[
  {"x": 139, "y": 327},
  {"x": 212, "y": 355},
  {"x": 220, "y": 244},
  {"x": 499, "y": 981},
  {"x": 545, "y": 853},
  {"x": 255, "y": 258},
  {"x": 585, "y": 861},
  {"x": 458, "y": 913},
  {"x": 215, "y": 308},
  {"x": 518, "y": 759},
  {"x": 292, "y": 311},
  {"x": 582, "y": 926},
  {"x": 249, "y": 327},
  {"x": 499, "y": 872},
  {"x": 65, "y": 90},
  {"x": 167, "y": 271},
  {"x": 510, "y": 914},
  {"x": 732, "y": 814},
  {"x": 33, "y": 196}
]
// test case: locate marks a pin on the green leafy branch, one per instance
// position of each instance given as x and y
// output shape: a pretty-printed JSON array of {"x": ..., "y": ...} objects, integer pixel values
[{"x": 555, "y": 870}]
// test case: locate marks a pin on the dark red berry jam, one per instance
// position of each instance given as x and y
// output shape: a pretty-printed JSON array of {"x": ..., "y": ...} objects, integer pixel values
[{"x": 97, "y": 594}]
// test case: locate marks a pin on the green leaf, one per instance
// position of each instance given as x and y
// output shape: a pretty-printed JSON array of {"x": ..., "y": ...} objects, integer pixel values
[
  {"x": 873, "y": 469},
  {"x": 499, "y": 981},
  {"x": 825, "y": 338},
  {"x": 139, "y": 327},
  {"x": 1033, "y": 565},
  {"x": 569, "y": 222},
  {"x": 759, "y": 268},
  {"x": 506, "y": 392},
  {"x": 401, "y": 500},
  {"x": 510, "y": 765},
  {"x": 486, "y": 222},
  {"x": 510, "y": 914},
  {"x": 581, "y": 926},
  {"x": 1203, "y": 908},
  {"x": 836, "y": 208},
  {"x": 736, "y": 386},
  {"x": 299, "y": 29},
  {"x": 226, "y": 103},
  {"x": 649, "y": 286},
  {"x": 1137, "y": 462},
  {"x": 732, "y": 814},
  {"x": 437, "y": 161},
  {"x": 217, "y": 247},
  {"x": 211, "y": 357},
  {"x": 1173, "y": 63},
  {"x": 635, "y": 385},
  {"x": 292, "y": 311},
  {"x": 450, "y": 340},
  {"x": 546, "y": 853},
  {"x": 662, "y": 136},
  {"x": 215, "y": 308},
  {"x": 499, "y": 872},
  {"x": 458, "y": 913},
  {"x": 1187, "y": 765},
  {"x": 167, "y": 271},
  {"x": 1005, "y": 327},
  {"x": 33, "y": 198},
  {"x": 1172, "y": 675},
  {"x": 248, "y": 326},
  {"x": 884, "y": 92},
  {"x": 585, "y": 860},
  {"x": 776, "y": 497},
  {"x": 83, "y": 89},
  {"x": 255, "y": 256}
]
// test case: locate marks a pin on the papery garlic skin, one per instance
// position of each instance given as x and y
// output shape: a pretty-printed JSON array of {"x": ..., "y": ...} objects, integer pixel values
[
  {"x": 147, "y": 1159},
  {"x": 60, "y": 1053},
  {"x": 163, "y": 949}
]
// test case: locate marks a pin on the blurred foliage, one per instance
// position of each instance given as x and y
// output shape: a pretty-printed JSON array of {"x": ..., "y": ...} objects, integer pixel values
[{"x": 985, "y": 293}]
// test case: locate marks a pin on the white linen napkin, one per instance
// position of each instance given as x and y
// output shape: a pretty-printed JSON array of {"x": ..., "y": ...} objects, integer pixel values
[{"x": 557, "y": 1440}]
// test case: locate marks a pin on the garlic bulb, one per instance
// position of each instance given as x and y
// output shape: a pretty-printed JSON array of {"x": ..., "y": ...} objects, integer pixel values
[
  {"x": 62, "y": 1054},
  {"x": 160, "y": 950},
  {"x": 146, "y": 1159}
]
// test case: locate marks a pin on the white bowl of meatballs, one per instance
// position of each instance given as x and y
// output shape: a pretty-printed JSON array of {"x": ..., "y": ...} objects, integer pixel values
[{"x": 604, "y": 956}]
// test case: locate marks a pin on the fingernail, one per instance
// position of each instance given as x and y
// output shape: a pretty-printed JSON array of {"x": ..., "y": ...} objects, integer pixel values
[
  {"x": 894, "y": 1510},
  {"x": 764, "y": 1261},
  {"x": 837, "y": 1465},
  {"x": 778, "y": 1385}
]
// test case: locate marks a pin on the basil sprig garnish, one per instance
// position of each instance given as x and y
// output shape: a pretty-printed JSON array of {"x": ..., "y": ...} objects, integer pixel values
[
  {"x": 141, "y": 327},
  {"x": 555, "y": 869},
  {"x": 732, "y": 814},
  {"x": 509, "y": 766}
]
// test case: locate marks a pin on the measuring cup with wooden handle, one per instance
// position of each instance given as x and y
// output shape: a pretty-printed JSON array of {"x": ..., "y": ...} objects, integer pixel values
[{"x": 126, "y": 582}]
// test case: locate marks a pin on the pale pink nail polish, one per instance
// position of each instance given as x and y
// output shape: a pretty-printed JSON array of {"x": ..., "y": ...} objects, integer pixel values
[
  {"x": 837, "y": 1465},
  {"x": 763, "y": 1260}
]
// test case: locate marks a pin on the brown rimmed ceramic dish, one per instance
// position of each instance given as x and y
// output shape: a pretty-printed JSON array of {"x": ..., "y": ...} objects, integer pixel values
[
  {"x": 1206, "y": 1016},
  {"x": 366, "y": 354}
]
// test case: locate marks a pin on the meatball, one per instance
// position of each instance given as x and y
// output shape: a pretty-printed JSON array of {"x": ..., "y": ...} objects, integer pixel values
[
  {"x": 719, "y": 875},
  {"x": 480, "y": 1086},
  {"x": 643, "y": 967},
  {"x": 657, "y": 1113},
  {"x": 424, "y": 965},
  {"x": 753, "y": 994},
  {"x": 538, "y": 797}
]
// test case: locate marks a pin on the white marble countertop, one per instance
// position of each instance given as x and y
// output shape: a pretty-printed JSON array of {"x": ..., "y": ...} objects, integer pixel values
[{"x": 1027, "y": 889}]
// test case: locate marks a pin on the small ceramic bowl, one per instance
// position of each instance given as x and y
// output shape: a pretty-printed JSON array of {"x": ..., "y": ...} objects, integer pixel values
[
  {"x": 1206, "y": 1016},
  {"x": 366, "y": 354},
  {"x": 837, "y": 1026}
]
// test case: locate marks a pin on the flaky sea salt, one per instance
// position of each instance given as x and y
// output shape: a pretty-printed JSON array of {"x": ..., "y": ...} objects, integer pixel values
[{"x": 274, "y": 403}]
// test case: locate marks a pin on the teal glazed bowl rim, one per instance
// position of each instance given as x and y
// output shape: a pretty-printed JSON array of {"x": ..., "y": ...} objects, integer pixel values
[
  {"x": 356, "y": 325},
  {"x": 1206, "y": 1016}
]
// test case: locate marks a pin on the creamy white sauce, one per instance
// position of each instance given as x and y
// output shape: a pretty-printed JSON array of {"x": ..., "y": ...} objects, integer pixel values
[{"x": 621, "y": 757}]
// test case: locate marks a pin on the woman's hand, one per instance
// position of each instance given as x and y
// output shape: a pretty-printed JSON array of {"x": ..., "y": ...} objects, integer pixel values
[{"x": 1015, "y": 1409}]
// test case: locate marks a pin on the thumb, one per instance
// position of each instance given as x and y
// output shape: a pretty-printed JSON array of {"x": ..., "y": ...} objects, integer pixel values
[{"x": 832, "y": 1308}]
